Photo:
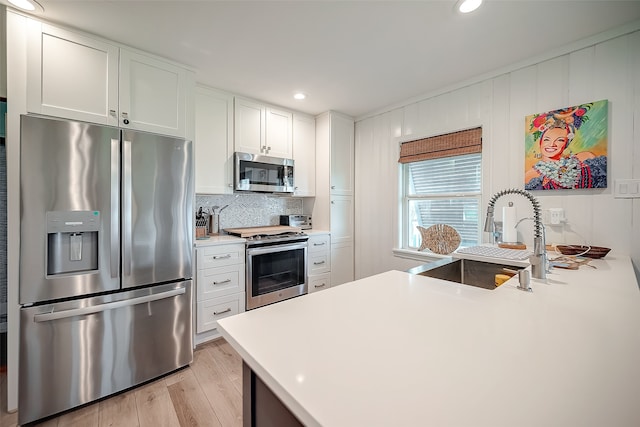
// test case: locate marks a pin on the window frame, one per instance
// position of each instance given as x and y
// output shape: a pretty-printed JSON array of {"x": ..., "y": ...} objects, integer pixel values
[{"x": 405, "y": 200}]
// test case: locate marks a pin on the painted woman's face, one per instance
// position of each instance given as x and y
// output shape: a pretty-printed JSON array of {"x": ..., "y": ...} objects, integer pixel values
[{"x": 553, "y": 142}]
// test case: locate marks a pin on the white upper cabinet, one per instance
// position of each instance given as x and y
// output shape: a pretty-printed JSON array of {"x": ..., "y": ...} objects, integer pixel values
[
  {"x": 213, "y": 141},
  {"x": 304, "y": 155},
  {"x": 260, "y": 129},
  {"x": 279, "y": 126},
  {"x": 71, "y": 76},
  {"x": 249, "y": 126},
  {"x": 152, "y": 94},
  {"x": 342, "y": 155},
  {"x": 78, "y": 77}
]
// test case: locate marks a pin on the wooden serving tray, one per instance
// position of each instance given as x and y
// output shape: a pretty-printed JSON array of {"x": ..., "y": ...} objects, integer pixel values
[{"x": 267, "y": 230}]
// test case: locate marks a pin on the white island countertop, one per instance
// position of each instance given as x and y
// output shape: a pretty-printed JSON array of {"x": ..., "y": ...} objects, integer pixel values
[{"x": 402, "y": 350}]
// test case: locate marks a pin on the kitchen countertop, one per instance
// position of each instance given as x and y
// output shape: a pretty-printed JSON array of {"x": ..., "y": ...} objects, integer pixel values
[
  {"x": 221, "y": 239},
  {"x": 405, "y": 350}
]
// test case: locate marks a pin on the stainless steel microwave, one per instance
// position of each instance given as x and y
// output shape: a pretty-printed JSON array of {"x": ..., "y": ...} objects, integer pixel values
[{"x": 265, "y": 174}]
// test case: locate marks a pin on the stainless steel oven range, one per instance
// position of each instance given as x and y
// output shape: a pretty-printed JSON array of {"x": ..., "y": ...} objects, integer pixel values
[{"x": 276, "y": 264}]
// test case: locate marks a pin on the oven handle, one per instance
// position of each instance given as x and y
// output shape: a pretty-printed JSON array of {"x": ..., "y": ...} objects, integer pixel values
[{"x": 276, "y": 248}]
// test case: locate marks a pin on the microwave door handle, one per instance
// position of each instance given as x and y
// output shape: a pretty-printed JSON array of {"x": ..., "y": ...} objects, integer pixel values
[{"x": 83, "y": 311}]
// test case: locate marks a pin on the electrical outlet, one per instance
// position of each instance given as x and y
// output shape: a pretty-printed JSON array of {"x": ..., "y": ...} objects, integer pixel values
[{"x": 556, "y": 216}]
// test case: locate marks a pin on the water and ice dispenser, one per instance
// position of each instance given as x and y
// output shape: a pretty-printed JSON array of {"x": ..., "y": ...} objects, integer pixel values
[{"x": 72, "y": 241}]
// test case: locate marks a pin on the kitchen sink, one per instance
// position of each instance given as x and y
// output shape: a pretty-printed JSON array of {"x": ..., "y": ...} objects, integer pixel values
[{"x": 468, "y": 272}]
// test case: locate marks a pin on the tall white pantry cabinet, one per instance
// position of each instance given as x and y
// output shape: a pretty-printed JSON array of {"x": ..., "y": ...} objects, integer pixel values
[{"x": 334, "y": 208}]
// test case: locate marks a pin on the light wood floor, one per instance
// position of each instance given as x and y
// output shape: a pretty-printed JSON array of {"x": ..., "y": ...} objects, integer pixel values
[{"x": 207, "y": 393}]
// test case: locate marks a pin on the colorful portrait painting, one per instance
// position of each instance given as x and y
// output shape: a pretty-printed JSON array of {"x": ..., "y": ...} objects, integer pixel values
[{"x": 567, "y": 148}]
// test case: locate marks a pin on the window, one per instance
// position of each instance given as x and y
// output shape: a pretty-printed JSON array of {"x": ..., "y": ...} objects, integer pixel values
[{"x": 442, "y": 185}]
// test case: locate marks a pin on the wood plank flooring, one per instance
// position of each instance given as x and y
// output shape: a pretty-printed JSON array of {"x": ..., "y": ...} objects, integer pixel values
[{"x": 207, "y": 393}]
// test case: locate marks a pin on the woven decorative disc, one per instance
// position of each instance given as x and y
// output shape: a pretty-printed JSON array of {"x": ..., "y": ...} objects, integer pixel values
[{"x": 439, "y": 238}]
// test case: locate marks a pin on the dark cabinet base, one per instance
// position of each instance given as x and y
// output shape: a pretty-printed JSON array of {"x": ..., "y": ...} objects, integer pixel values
[{"x": 260, "y": 407}]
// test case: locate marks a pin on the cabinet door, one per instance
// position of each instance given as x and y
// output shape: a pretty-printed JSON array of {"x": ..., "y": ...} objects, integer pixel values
[
  {"x": 249, "y": 126},
  {"x": 318, "y": 243},
  {"x": 220, "y": 255},
  {"x": 304, "y": 155},
  {"x": 152, "y": 95},
  {"x": 341, "y": 263},
  {"x": 210, "y": 311},
  {"x": 342, "y": 152},
  {"x": 319, "y": 263},
  {"x": 278, "y": 133},
  {"x": 341, "y": 219},
  {"x": 71, "y": 75},
  {"x": 214, "y": 142},
  {"x": 319, "y": 283},
  {"x": 220, "y": 281}
]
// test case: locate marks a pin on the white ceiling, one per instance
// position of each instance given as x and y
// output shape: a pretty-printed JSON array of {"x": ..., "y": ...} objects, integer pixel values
[{"x": 350, "y": 56}]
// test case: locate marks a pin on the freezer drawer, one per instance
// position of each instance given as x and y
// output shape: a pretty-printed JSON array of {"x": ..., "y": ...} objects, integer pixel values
[{"x": 94, "y": 347}]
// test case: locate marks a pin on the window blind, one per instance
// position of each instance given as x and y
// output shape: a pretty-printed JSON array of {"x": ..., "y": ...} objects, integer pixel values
[{"x": 435, "y": 147}]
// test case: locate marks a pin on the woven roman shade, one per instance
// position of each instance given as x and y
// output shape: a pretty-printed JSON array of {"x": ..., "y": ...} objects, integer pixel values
[{"x": 447, "y": 145}]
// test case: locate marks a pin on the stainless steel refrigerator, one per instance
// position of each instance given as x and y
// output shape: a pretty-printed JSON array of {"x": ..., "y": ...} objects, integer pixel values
[{"x": 105, "y": 261}]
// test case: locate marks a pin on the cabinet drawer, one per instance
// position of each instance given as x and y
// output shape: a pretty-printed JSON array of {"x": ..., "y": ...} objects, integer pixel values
[
  {"x": 219, "y": 256},
  {"x": 209, "y": 312},
  {"x": 319, "y": 263},
  {"x": 319, "y": 243},
  {"x": 318, "y": 283},
  {"x": 219, "y": 281}
]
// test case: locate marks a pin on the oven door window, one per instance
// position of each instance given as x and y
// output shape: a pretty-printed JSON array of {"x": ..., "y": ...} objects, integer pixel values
[{"x": 275, "y": 271}]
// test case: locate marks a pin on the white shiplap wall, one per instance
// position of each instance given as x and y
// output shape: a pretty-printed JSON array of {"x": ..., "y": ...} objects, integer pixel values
[{"x": 606, "y": 70}]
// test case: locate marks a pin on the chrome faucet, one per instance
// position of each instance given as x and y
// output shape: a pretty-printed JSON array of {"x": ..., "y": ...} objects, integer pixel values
[{"x": 539, "y": 258}]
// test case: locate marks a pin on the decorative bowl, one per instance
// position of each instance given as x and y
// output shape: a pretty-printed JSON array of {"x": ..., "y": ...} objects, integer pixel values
[{"x": 591, "y": 251}]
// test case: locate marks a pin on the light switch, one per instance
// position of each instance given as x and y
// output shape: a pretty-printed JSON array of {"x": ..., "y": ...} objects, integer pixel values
[{"x": 626, "y": 188}]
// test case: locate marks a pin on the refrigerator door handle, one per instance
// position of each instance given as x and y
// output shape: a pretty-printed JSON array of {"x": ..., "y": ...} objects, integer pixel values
[
  {"x": 46, "y": 317},
  {"x": 126, "y": 208},
  {"x": 115, "y": 209}
]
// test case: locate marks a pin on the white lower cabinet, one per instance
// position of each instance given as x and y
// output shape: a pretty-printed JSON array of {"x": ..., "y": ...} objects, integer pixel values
[
  {"x": 319, "y": 283},
  {"x": 220, "y": 287},
  {"x": 319, "y": 262},
  {"x": 210, "y": 311},
  {"x": 342, "y": 270}
]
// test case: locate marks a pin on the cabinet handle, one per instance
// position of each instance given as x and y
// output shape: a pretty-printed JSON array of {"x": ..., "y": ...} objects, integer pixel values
[
  {"x": 333, "y": 187},
  {"x": 222, "y": 282},
  {"x": 215, "y": 313},
  {"x": 319, "y": 286},
  {"x": 333, "y": 202},
  {"x": 230, "y": 185},
  {"x": 125, "y": 116},
  {"x": 268, "y": 148},
  {"x": 222, "y": 256},
  {"x": 319, "y": 244},
  {"x": 318, "y": 263},
  {"x": 112, "y": 112}
]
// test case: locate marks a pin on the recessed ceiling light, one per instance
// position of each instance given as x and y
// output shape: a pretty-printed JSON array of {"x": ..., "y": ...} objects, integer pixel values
[
  {"x": 466, "y": 6},
  {"x": 299, "y": 96},
  {"x": 30, "y": 5}
]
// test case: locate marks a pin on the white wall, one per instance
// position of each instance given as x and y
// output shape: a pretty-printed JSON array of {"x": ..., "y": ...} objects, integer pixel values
[{"x": 608, "y": 69}]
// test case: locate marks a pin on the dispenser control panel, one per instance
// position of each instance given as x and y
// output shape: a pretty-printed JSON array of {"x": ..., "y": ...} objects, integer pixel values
[{"x": 72, "y": 221}]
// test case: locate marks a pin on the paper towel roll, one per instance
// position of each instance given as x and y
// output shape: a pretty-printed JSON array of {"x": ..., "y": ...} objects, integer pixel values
[{"x": 509, "y": 219}]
